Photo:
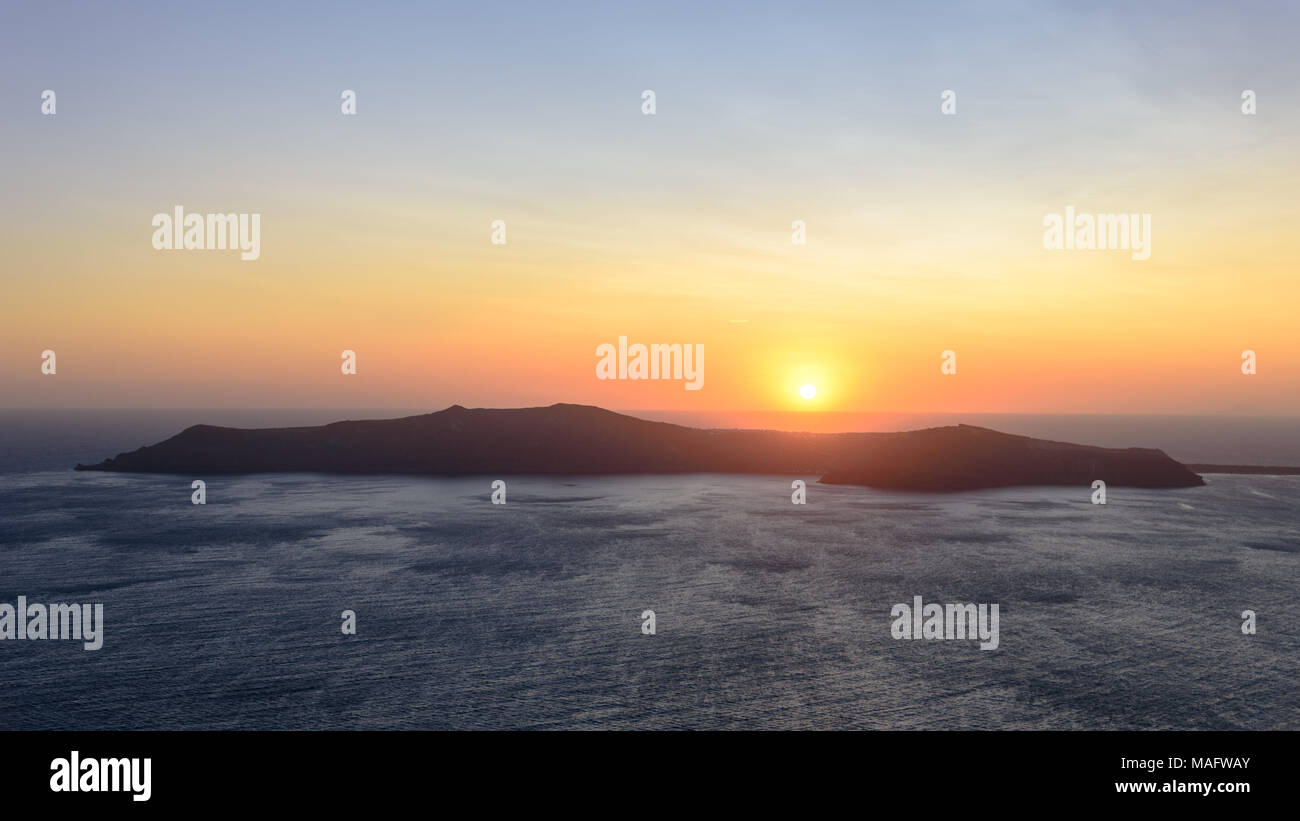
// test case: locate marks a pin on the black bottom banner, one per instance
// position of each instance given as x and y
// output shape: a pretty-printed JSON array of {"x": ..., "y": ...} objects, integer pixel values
[{"x": 145, "y": 771}]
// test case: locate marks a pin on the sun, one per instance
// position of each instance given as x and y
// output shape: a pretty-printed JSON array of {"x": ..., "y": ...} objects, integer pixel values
[{"x": 808, "y": 391}]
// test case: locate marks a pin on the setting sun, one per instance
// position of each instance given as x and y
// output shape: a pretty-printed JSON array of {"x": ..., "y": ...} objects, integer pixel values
[{"x": 808, "y": 391}]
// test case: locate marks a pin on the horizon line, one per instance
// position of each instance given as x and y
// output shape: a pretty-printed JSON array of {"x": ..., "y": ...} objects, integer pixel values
[{"x": 398, "y": 408}]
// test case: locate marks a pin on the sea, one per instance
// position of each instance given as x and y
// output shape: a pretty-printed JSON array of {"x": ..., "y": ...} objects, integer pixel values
[{"x": 532, "y": 614}]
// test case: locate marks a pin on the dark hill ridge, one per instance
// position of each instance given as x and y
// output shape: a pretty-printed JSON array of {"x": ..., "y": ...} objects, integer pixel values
[
  {"x": 966, "y": 457},
  {"x": 584, "y": 440}
]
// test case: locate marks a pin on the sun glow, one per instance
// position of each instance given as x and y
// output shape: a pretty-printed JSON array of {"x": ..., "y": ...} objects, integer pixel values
[{"x": 808, "y": 391}]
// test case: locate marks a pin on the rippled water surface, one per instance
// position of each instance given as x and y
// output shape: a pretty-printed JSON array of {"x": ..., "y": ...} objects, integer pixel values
[{"x": 527, "y": 615}]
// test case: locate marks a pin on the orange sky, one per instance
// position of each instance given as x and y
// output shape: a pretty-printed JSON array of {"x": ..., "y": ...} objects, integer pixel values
[
  {"x": 443, "y": 321},
  {"x": 924, "y": 232}
]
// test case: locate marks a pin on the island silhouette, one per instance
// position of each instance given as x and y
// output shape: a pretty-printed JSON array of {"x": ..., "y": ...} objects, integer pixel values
[{"x": 566, "y": 439}]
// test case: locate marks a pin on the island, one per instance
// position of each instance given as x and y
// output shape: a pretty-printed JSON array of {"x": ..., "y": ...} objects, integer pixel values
[
  {"x": 572, "y": 440},
  {"x": 1249, "y": 470}
]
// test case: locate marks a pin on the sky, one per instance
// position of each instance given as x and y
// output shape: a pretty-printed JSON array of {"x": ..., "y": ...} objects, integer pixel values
[{"x": 924, "y": 231}]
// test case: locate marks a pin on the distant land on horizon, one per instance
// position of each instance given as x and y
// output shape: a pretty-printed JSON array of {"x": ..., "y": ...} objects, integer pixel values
[
  {"x": 1253, "y": 470},
  {"x": 567, "y": 439}
]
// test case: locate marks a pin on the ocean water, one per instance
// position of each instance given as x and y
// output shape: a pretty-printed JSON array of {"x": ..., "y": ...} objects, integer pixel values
[{"x": 527, "y": 615}]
